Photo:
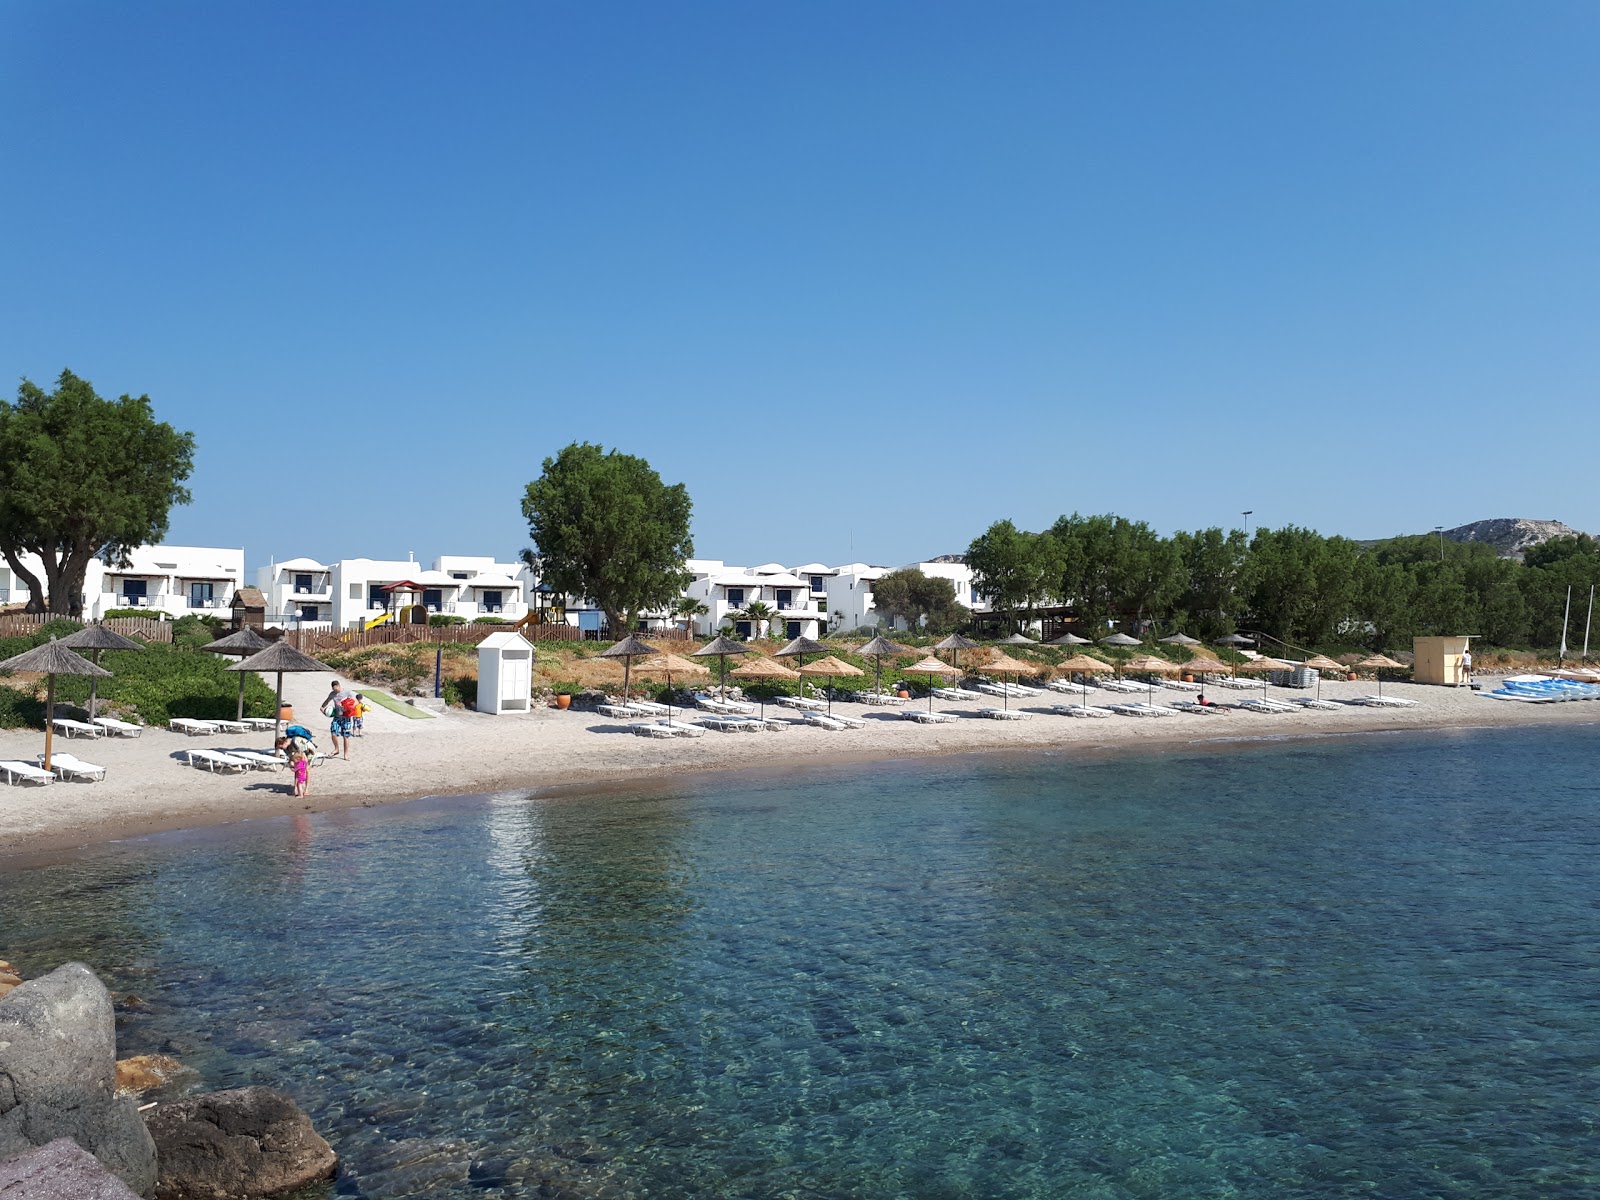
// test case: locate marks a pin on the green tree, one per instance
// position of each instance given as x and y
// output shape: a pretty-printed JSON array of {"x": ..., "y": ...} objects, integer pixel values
[
  {"x": 759, "y": 613},
  {"x": 918, "y": 599},
  {"x": 1110, "y": 567},
  {"x": 605, "y": 527},
  {"x": 689, "y": 608},
  {"x": 1011, "y": 568},
  {"x": 1212, "y": 565},
  {"x": 83, "y": 477}
]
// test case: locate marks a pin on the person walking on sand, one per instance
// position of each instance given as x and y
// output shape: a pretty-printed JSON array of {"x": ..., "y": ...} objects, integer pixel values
[
  {"x": 340, "y": 706},
  {"x": 302, "y": 773}
]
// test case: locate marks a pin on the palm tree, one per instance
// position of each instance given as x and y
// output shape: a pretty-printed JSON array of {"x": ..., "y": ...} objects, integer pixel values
[
  {"x": 689, "y": 608},
  {"x": 758, "y": 614}
]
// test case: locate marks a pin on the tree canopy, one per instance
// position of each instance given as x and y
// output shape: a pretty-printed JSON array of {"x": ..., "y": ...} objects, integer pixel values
[
  {"x": 605, "y": 527},
  {"x": 918, "y": 599},
  {"x": 81, "y": 477}
]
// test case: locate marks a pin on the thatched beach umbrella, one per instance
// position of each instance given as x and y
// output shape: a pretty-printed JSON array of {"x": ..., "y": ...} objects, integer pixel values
[
  {"x": 1017, "y": 639},
  {"x": 1232, "y": 639},
  {"x": 797, "y": 649},
  {"x": 281, "y": 659},
  {"x": 764, "y": 668},
  {"x": 1004, "y": 665},
  {"x": 628, "y": 649},
  {"x": 669, "y": 665},
  {"x": 933, "y": 668},
  {"x": 1179, "y": 639},
  {"x": 244, "y": 643},
  {"x": 880, "y": 648},
  {"x": 50, "y": 660},
  {"x": 1204, "y": 664},
  {"x": 97, "y": 638},
  {"x": 1374, "y": 663},
  {"x": 1069, "y": 639},
  {"x": 829, "y": 667},
  {"x": 1322, "y": 663},
  {"x": 955, "y": 643},
  {"x": 1151, "y": 665},
  {"x": 720, "y": 648},
  {"x": 1264, "y": 664},
  {"x": 1119, "y": 639},
  {"x": 1082, "y": 664}
]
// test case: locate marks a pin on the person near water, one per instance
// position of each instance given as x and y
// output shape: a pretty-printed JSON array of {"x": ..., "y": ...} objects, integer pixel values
[
  {"x": 302, "y": 773},
  {"x": 1466, "y": 667},
  {"x": 341, "y": 708}
]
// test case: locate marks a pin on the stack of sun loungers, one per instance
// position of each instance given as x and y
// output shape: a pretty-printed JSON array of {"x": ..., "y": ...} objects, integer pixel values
[
  {"x": 925, "y": 717},
  {"x": 70, "y": 766},
  {"x": 216, "y": 761},
  {"x": 72, "y": 728},
  {"x": 21, "y": 772},
  {"x": 1263, "y": 704},
  {"x": 1312, "y": 702},
  {"x": 833, "y": 721},
  {"x": 118, "y": 728},
  {"x": 1079, "y": 710},
  {"x": 956, "y": 693},
  {"x": 804, "y": 703},
  {"x": 877, "y": 698}
]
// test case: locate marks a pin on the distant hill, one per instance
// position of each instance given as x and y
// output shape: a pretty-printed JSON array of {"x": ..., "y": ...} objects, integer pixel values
[{"x": 1511, "y": 537}]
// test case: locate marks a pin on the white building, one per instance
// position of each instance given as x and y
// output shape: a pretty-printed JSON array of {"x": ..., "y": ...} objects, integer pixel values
[
  {"x": 350, "y": 593},
  {"x": 726, "y": 591},
  {"x": 850, "y": 598},
  {"x": 169, "y": 581}
]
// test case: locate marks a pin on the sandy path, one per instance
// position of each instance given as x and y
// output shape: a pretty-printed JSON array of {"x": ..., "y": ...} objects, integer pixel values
[{"x": 149, "y": 789}]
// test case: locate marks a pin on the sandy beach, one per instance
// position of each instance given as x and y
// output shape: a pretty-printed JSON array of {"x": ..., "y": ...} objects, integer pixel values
[{"x": 149, "y": 788}]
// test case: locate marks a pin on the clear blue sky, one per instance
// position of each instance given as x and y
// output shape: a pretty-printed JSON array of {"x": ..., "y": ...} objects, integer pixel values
[{"x": 866, "y": 277}]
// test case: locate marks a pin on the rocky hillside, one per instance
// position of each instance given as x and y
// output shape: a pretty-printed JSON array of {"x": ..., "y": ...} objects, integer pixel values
[{"x": 1510, "y": 536}]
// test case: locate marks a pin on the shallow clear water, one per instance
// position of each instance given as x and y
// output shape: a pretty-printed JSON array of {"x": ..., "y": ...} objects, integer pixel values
[{"x": 1360, "y": 967}]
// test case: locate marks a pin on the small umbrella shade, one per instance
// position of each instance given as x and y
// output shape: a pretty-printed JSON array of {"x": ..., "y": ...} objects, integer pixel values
[
  {"x": 281, "y": 659},
  {"x": 880, "y": 648},
  {"x": 1082, "y": 664},
  {"x": 1262, "y": 666},
  {"x": 829, "y": 667},
  {"x": 1374, "y": 663},
  {"x": 1180, "y": 639},
  {"x": 98, "y": 638},
  {"x": 1320, "y": 664},
  {"x": 628, "y": 649},
  {"x": 933, "y": 668},
  {"x": 955, "y": 643},
  {"x": 244, "y": 643},
  {"x": 719, "y": 649},
  {"x": 1204, "y": 664},
  {"x": 797, "y": 650},
  {"x": 1069, "y": 639},
  {"x": 50, "y": 660},
  {"x": 1119, "y": 639},
  {"x": 1231, "y": 639},
  {"x": 1017, "y": 639},
  {"x": 764, "y": 668},
  {"x": 1151, "y": 665},
  {"x": 1004, "y": 665},
  {"x": 668, "y": 665}
]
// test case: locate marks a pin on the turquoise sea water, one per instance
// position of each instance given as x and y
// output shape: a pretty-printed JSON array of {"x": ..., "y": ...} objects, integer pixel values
[{"x": 1358, "y": 967}]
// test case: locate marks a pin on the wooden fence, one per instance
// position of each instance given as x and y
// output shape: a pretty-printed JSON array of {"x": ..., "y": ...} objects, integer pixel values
[
  {"x": 314, "y": 641},
  {"x": 149, "y": 629}
]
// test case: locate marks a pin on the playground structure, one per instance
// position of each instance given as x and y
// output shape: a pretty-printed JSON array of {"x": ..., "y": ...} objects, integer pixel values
[{"x": 409, "y": 612}]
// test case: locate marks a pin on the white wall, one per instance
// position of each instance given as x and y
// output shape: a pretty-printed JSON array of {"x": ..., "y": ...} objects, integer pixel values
[{"x": 171, "y": 581}]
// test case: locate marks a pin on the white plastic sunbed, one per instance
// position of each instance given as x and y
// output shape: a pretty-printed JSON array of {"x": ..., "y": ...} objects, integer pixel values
[
  {"x": 878, "y": 698},
  {"x": 258, "y": 760},
  {"x": 1065, "y": 685},
  {"x": 723, "y": 708},
  {"x": 651, "y": 707},
  {"x": 1079, "y": 710},
  {"x": 1238, "y": 685},
  {"x": 260, "y": 724},
  {"x": 834, "y": 722},
  {"x": 70, "y": 766},
  {"x": 1381, "y": 701},
  {"x": 956, "y": 693},
  {"x": 1312, "y": 702},
  {"x": 1179, "y": 685},
  {"x": 1004, "y": 714},
  {"x": 1206, "y": 710},
  {"x": 77, "y": 728},
  {"x": 1275, "y": 707},
  {"x": 622, "y": 710},
  {"x": 216, "y": 760},
  {"x": 732, "y": 724},
  {"x": 118, "y": 728},
  {"x": 229, "y": 725},
  {"x": 923, "y": 716},
  {"x": 805, "y": 703},
  {"x": 193, "y": 727},
  {"x": 21, "y": 772},
  {"x": 1141, "y": 710}
]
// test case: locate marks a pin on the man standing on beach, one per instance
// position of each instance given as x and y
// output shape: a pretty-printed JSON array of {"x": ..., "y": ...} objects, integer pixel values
[
  {"x": 339, "y": 730},
  {"x": 1466, "y": 667}
]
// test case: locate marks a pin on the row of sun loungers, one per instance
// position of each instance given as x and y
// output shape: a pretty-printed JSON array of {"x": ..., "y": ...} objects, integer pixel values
[
  {"x": 879, "y": 698},
  {"x": 801, "y": 702}
]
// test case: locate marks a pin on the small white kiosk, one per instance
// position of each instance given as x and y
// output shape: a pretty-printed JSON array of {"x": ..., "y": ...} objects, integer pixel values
[{"x": 505, "y": 674}]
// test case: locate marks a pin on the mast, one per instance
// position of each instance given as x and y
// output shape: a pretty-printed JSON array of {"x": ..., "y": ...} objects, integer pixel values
[
  {"x": 1586, "y": 622},
  {"x": 1562, "y": 653}
]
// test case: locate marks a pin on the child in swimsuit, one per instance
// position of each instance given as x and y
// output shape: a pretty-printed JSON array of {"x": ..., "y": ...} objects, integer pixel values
[{"x": 302, "y": 773}]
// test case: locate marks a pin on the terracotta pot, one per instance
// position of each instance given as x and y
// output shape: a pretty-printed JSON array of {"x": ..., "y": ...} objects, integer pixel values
[
  {"x": 903, "y": 694},
  {"x": 286, "y": 712},
  {"x": 1353, "y": 677},
  {"x": 563, "y": 701},
  {"x": 1188, "y": 678}
]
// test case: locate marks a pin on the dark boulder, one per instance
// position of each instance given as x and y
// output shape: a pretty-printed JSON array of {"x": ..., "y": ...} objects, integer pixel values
[
  {"x": 245, "y": 1142},
  {"x": 58, "y": 1055},
  {"x": 61, "y": 1170}
]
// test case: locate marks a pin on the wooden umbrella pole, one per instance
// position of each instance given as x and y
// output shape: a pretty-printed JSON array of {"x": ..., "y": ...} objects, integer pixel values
[
  {"x": 49, "y": 716},
  {"x": 94, "y": 686},
  {"x": 277, "y": 716},
  {"x": 241, "y": 696}
]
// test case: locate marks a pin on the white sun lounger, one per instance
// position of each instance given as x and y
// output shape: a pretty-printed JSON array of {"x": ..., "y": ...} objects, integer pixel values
[
  {"x": 650, "y": 706},
  {"x": 1066, "y": 685},
  {"x": 1079, "y": 710},
  {"x": 723, "y": 708},
  {"x": 1179, "y": 685},
  {"x": 1127, "y": 686},
  {"x": 1205, "y": 710},
  {"x": 1142, "y": 710},
  {"x": 1312, "y": 702},
  {"x": 216, "y": 760},
  {"x": 956, "y": 693},
  {"x": 118, "y": 728},
  {"x": 804, "y": 703},
  {"x": 77, "y": 728},
  {"x": 70, "y": 766},
  {"x": 1004, "y": 714},
  {"x": 732, "y": 724},
  {"x": 1381, "y": 701},
  {"x": 258, "y": 760},
  {"x": 835, "y": 721},
  {"x": 622, "y": 710},
  {"x": 193, "y": 727},
  {"x": 878, "y": 698},
  {"x": 1238, "y": 685},
  {"x": 652, "y": 730},
  {"x": 1276, "y": 708},
  {"x": 21, "y": 772},
  {"x": 260, "y": 724},
  {"x": 923, "y": 716},
  {"x": 229, "y": 725}
]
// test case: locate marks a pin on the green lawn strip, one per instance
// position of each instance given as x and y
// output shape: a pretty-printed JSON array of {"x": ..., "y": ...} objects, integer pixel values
[{"x": 384, "y": 700}]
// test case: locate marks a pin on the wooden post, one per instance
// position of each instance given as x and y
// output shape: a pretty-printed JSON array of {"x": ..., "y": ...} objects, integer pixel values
[
  {"x": 277, "y": 714},
  {"x": 241, "y": 695},
  {"x": 49, "y": 715}
]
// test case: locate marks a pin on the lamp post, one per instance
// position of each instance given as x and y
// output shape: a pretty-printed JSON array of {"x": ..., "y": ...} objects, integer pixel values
[
  {"x": 1247, "y": 514},
  {"x": 1439, "y": 529}
]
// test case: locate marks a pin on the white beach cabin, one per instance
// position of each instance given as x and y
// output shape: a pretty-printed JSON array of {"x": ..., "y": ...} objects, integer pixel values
[{"x": 505, "y": 674}]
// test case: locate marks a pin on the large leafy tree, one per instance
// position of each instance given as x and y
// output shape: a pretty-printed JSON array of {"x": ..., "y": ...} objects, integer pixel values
[
  {"x": 81, "y": 477},
  {"x": 1013, "y": 569},
  {"x": 922, "y": 600},
  {"x": 604, "y": 526}
]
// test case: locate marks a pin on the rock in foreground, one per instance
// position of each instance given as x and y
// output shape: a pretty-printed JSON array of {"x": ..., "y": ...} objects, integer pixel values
[
  {"x": 62, "y": 1170},
  {"x": 245, "y": 1142},
  {"x": 58, "y": 1053}
]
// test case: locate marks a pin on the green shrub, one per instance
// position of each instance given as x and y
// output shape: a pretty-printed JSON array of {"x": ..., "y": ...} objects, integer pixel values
[
  {"x": 439, "y": 620},
  {"x": 461, "y": 693},
  {"x": 490, "y": 621},
  {"x": 162, "y": 682},
  {"x": 149, "y": 614},
  {"x": 18, "y": 710},
  {"x": 566, "y": 687},
  {"x": 192, "y": 631}
]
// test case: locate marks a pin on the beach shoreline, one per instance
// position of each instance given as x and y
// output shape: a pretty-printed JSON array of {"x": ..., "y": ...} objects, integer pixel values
[{"x": 554, "y": 753}]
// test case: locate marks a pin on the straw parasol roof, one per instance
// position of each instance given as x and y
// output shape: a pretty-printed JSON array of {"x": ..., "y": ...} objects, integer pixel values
[
  {"x": 1371, "y": 663},
  {"x": 801, "y": 645},
  {"x": 720, "y": 648},
  {"x": 1149, "y": 662},
  {"x": 880, "y": 647},
  {"x": 628, "y": 647},
  {"x": 1266, "y": 664},
  {"x": 1083, "y": 664},
  {"x": 98, "y": 637},
  {"x": 1016, "y": 639},
  {"x": 282, "y": 658},
  {"x": 672, "y": 664},
  {"x": 956, "y": 642},
  {"x": 1323, "y": 663},
  {"x": 1231, "y": 639},
  {"x": 1204, "y": 664},
  {"x": 1119, "y": 639},
  {"x": 246, "y": 641},
  {"x": 1179, "y": 639},
  {"x": 53, "y": 658},
  {"x": 765, "y": 668},
  {"x": 1069, "y": 639},
  {"x": 930, "y": 666},
  {"x": 1004, "y": 664},
  {"x": 830, "y": 666}
]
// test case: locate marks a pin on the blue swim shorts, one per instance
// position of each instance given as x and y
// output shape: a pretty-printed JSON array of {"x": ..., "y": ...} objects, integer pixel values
[{"x": 341, "y": 726}]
